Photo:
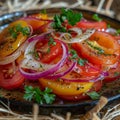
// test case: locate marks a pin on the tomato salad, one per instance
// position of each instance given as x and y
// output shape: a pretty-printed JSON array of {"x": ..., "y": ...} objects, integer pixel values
[{"x": 69, "y": 56}]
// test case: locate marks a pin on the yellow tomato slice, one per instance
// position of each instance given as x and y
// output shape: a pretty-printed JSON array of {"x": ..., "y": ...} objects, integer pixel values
[
  {"x": 8, "y": 44},
  {"x": 66, "y": 88}
]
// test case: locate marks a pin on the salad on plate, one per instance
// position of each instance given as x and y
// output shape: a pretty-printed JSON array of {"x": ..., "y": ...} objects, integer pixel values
[{"x": 67, "y": 55}]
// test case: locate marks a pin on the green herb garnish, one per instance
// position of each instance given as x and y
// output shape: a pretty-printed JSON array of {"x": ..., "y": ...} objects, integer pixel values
[
  {"x": 116, "y": 74},
  {"x": 96, "y": 17},
  {"x": 108, "y": 26},
  {"x": 118, "y": 32},
  {"x": 71, "y": 16},
  {"x": 15, "y": 30},
  {"x": 51, "y": 41},
  {"x": 74, "y": 56},
  {"x": 99, "y": 50},
  {"x": 81, "y": 61},
  {"x": 66, "y": 15},
  {"x": 44, "y": 11},
  {"x": 34, "y": 53},
  {"x": 93, "y": 95},
  {"x": 39, "y": 96}
]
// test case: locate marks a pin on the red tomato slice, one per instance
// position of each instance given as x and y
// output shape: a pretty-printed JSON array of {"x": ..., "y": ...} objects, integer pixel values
[
  {"x": 114, "y": 74},
  {"x": 109, "y": 45},
  {"x": 88, "y": 70},
  {"x": 89, "y": 25},
  {"x": 106, "y": 40},
  {"x": 96, "y": 87},
  {"x": 38, "y": 22},
  {"x": 48, "y": 53},
  {"x": 8, "y": 79}
]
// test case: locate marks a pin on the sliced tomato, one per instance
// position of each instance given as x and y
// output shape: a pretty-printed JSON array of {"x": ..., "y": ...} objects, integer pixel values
[
  {"x": 96, "y": 87},
  {"x": 89, "y": 25},
  {"x": 113, "y": 73},
  {"x": 49, "y": 53},
  {"x": 8, "y": 79},
  {"x": 87, "y": 70},
  {"x": 8, "y": 44},
  {"x": 38, "y": 22},
  {"x": 66, "y": 88},
  {"x": 106, "y": 42}
]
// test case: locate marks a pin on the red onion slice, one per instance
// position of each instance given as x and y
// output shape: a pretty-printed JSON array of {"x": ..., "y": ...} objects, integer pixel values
[
  {"x": 91, "y": 79},
  {"x": 58, "y": 75},
  {"x": 30, "y": 63},
  {"x": 11, "y": 58}
]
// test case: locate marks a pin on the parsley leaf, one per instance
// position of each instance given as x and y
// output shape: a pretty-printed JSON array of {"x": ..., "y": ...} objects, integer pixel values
[
  {"x": 39, "y": 96},
  {"x": 44, "y": 11},
  {"x": 96, "y": 17},
  {"x": 57, "y": 24},
  {"x": 15, "y": 30},
  {"x": 93, "y": 95},
  {"x": 71, "y": 16},
  {"x": 118, "y": 32},
  {"x": 66, "y": 15},
  {"x": 81, "y": 61},
  {"x": 74, "y": 56}
]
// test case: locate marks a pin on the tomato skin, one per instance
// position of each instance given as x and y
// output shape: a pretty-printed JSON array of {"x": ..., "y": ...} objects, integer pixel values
[
  {"x": 113, "y": 74},
  {"x": 54, "y": 53},
  {"x": 88, "y": 70},
  {"x": 89, "y": 25},
  {"x": 8, "y": 44},
  {"x": 65, "y": 88},
  {"x": 96, "y": 87},
  {"x": 38, "y": 22},
  {"x": 10, "y": 83},
  {"x": 106, "y": 41}
]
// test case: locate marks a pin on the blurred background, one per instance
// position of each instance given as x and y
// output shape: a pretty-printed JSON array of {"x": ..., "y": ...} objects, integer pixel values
[{"x": 107, "y": 7}]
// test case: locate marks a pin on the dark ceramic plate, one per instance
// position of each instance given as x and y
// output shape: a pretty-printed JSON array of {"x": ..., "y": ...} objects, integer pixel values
[{"x": 111, "y": 90}]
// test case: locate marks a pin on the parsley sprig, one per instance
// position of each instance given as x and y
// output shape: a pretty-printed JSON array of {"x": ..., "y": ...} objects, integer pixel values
[
  {"x": 93, "y": 95},
  {"x": 15, "y": 30},
  {"x": 98, "y": 49},
  {"x": 96, "y": 17},
  {"x": 35, "y": 94},
  {"x": 74, "y": 56},
  {"x": 66, "y": 15}
]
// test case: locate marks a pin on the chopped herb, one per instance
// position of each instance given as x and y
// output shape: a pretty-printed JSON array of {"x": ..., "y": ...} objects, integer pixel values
[
  {"x": 96, "y": 17},
  {"x": 93, "y": 95},
  {"x": 48, "y": 50},
  {"x": 51, "y": 41},
  {"x": 99, "y": 50},
  {"x": 15, "y": 30},
  {"x": 71, "y": 16},
  {"x": 44, "y": 11},
  {"x": 34, "y": 53},
  {"x": 57, "y": 24},
  {"x": 108, "y": 26},
  {"x": 119, "y": 91},
  {"x": 81, "y": 61},
  {"x": 118, "y": 32},
  {"x": 66, "y": 15},
  {"x": 41, "y": 66},
  {"x": 73, "y": 53},
  {"x": 75, "y": 56},
  {"x": 116, "y": 74},
  {"x": 39, "y": 96}
]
